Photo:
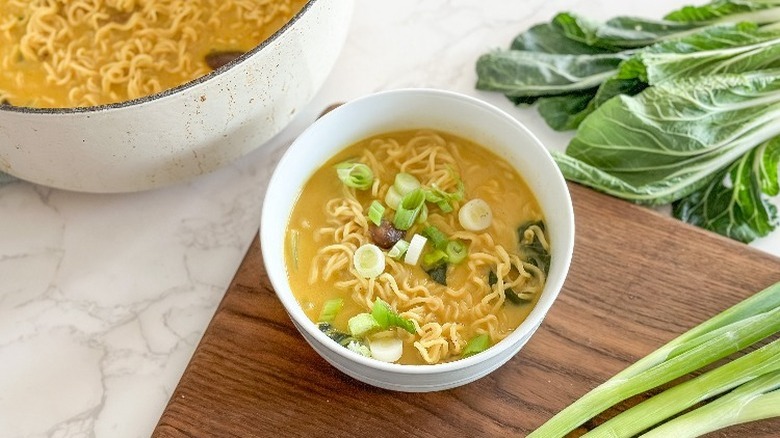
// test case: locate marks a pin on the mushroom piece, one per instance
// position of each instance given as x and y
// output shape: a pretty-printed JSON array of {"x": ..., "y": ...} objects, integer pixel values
[{"x": 385, "y": 235}]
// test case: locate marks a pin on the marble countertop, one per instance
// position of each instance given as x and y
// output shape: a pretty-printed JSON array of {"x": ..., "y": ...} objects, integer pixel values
[{"x": 103, "y": 298}]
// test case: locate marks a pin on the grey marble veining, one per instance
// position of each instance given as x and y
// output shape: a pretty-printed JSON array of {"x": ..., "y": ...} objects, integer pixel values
[{"x": 103, "y": 298}]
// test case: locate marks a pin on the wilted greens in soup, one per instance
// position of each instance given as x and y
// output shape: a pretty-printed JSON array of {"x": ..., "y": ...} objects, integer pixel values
[{"x": 417, "y": 247}]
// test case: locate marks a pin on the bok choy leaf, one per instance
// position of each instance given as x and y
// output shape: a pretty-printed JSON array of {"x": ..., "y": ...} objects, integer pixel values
[
  {"x": 735, "y": 202},
  {"x": 672, "y": 139}
]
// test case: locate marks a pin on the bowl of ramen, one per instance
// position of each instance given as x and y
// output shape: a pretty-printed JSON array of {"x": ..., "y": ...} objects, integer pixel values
[
  {"x": 417, "y": 237},
  {"x": 121, "y": 96}
]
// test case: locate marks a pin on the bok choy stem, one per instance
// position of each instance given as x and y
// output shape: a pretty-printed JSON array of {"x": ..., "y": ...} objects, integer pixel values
[{"x": 730, "y": 331}]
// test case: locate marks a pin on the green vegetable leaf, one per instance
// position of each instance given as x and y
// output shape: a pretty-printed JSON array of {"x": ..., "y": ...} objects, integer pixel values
[
  {"x": 386, "y": 317},
  {"x": 522, "y": 73},
  {"x": 734, "y": 204},
  {"x": 438, "y": 273},
  {"x": 330, "y": 309},
  {"x": 671, "y": 139},
  {"x": 477, "y": 344},
  {"x": 718, "y": 11},
  {"x": 619, "y": 32},
  {"x": 510, "y": 294},
  {"x": 546, "y": 38},
  {"x": 732, "y": 48},
  {"x": 531, "y": 246}
]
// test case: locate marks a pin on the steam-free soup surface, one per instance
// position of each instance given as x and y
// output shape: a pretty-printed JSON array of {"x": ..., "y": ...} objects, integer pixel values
[
  {"x": 75, "y": 53},
  {"x": 486, "y": 296}
]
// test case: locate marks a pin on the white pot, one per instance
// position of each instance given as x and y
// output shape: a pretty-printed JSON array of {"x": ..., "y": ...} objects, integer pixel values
[{"x": 183, "y": 132}]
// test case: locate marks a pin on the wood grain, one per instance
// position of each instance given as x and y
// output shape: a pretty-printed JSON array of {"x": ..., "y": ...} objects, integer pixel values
[{"x": 637, "y": 280}]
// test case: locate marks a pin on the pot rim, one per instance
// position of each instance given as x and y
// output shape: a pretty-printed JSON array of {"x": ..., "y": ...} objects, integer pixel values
[{"x": 170, "y": 91}]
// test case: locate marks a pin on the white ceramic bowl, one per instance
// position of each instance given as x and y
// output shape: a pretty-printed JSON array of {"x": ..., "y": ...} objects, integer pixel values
[
  {"x": 185, "y": 131},
  {"x": 402, "y": 110}
]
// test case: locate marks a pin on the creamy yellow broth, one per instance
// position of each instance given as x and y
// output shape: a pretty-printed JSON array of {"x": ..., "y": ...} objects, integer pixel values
[
  {"x": 455, "y": 309},
  {"x": 72, "y": 53}
]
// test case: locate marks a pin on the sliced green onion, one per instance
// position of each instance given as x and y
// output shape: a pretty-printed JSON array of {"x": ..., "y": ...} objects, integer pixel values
[
  {"x": 434, "y": 258},
  {"x": 361, "y": 324},
  {"x": 375, "y": 212},
  {"x": 456, "y": 251},
  {"x": 423, "y": 214},
  {"x": 399, "y": 249},
  {"x": 330, "y": 309},
  {"x": 386, "y": 349},
  {"x": 386, "y": 317},
  {"x": 405, "y": 183},
  {"x": 728, "y": 332},
  {"x": 393, "y": 198},
  {"x": 408, "y": 209},
  {"x": 445, "y": 200},
  {"x": 477, "y": 344},
  {"x": 415, "y": 249},
  {"x": 438, "y": 239},
  {"x": 475, "y": 215},
  {"x": 356, "y": 175},
  {"x": 369, "y": 261}
]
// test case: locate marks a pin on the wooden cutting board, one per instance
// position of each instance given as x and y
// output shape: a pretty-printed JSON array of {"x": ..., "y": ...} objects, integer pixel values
[{"x": 637, "y": 280}]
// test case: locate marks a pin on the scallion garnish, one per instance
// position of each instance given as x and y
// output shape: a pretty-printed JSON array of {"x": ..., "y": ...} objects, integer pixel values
[
  {"x": 405, "y": 183},
  {"x": 408, "y": 209},
  {"x": 330, "y": 309},
  {"x": 369, "y": 261},
  {"x": 398, "y": 250},
  {"x": 438, "y": 239},
  {"x": 477, "y": 344},
  {"x": 386, "y": 317},
  {"x": 356, "y": 175},
  {"x": 434, "y": 258},
  {"x": 415, "y": 249},
  {"x": 456, "y": 251},
  {"x": 393, "y": 198},
  {"x": 361, "y": 324},
  {"x": 375, "y": 212},
  {"x": 445, "y": 200}
]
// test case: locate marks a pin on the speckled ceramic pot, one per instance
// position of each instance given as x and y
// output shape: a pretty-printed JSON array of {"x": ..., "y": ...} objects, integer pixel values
[{"x": 185, "y": 131}]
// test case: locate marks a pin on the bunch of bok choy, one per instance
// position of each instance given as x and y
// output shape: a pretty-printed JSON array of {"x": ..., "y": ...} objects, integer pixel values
[
  {"x": 741, "y": 390},
  {"x": 679, "y": 110}
]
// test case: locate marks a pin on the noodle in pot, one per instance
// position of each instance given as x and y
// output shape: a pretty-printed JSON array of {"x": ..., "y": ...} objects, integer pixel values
[
  {"x": 488, "y": 293},
  {"x": 75, "y": 53}
]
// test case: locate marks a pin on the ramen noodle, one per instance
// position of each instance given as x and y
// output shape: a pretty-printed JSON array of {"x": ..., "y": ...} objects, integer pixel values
[
  {"x": 355, "y": 230},
  {"x": 76, "y": 53}
]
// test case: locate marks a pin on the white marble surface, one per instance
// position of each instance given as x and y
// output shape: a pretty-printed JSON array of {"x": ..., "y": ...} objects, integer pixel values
[{"x": 103, "y": 298}]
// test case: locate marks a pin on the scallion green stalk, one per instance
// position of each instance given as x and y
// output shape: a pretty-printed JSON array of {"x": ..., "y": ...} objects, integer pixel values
[
  {"x": 436, "y": 237},
  {"x": 477, "y": 344},
  {"x": 678, "y": 398},
  {"x": 330, "y": 309},
  {"x": 756, "y": 400},
  {"x": 375, "y": 212},
  {"x": 730, "y": 331},
  {"x": 408, "y": 209}
]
